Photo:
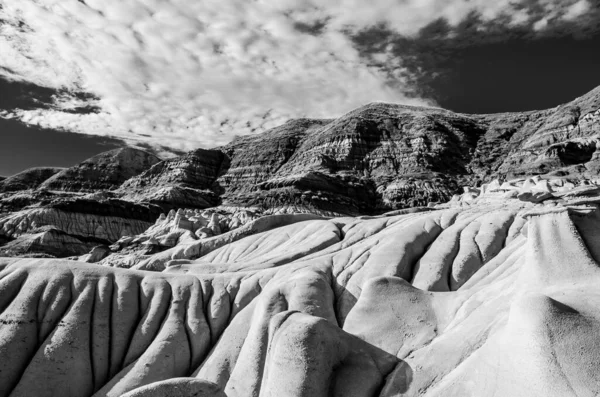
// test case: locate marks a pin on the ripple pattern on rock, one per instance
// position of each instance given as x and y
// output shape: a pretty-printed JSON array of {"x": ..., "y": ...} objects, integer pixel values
[{"x": 492, "y": 293}]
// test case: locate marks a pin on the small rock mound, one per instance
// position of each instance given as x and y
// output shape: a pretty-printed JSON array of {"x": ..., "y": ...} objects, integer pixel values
[
  {"x": 106, "y": 171},
  {"x": 28, "y": 179}
]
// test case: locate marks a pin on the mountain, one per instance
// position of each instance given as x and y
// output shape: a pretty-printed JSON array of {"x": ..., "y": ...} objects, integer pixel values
[
  {"x": 377, "y": 158},
  {"x": 182, "y": 181}
]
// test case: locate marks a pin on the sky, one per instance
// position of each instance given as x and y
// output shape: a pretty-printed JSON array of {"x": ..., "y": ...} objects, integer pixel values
[{"x": 174, "y": 75}]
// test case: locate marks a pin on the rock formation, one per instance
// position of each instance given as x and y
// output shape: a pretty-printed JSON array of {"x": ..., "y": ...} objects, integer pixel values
[
  {"x": 377, "y": 158},
  {"x": 175, "y": 228},
  {"x": 47, "y": 241},
  {"x": 492, "y": 293},
  {"x": 183, "y": 181},
  {"x": 85, "y": 222}
]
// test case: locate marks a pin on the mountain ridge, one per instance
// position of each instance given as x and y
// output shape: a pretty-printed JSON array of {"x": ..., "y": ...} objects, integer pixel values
[{"x": 376, "y": 158}]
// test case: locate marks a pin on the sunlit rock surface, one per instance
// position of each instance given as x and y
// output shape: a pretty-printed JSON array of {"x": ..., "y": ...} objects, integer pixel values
[
  {"x": 179, "y": 227},
  {"x": 490, "y": 294}
]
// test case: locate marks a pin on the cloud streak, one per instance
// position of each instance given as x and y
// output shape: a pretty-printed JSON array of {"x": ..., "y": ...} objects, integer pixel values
[{"x": 185, "y": 73}]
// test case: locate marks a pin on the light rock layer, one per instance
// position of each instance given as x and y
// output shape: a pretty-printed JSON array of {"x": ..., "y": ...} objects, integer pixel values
[{"x": 492, "y": 294}]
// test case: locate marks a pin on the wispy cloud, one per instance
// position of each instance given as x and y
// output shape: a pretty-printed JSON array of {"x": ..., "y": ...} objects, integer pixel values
[{"x": 187, "y": 73}]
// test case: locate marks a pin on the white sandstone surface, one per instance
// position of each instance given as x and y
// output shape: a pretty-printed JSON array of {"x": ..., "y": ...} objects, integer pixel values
[{"x": 491, "y": 294}]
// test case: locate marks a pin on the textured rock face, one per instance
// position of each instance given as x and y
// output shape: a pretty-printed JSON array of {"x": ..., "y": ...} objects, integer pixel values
[
  {"x": 105, "y": 171},
  {"x": 492, "y": 293},
  {"x": 103, "y": 228},
  {"x": 183, "y": 181},
  {"x": 378, "y": 158},
  {"x": 176, "y": 228},
  {"x": 47, "y": 240},
  {"x": 29, "y": 179},
  {"x": 84, "y": 222}
]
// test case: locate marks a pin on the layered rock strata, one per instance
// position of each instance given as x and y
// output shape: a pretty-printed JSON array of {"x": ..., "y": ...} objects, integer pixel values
[
  {"x": 183, "y": 181},
  {"x": 380, "y": 157},
  {"x": 84, "y": 222},
  {"x": 377, "y": 158}
]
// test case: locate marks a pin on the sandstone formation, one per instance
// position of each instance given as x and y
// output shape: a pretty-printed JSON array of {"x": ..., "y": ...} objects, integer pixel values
[
  {"x": 492, "y": 293},
  {"x": 105, "y": 171}
]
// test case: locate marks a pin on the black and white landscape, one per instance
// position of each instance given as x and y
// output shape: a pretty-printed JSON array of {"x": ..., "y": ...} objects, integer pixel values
[{"x": 299, "y": 198}]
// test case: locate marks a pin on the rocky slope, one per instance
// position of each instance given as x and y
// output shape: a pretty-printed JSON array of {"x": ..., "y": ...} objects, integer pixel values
[
  {"x": 28, "y": 179},
  {"x": 105, "y": 171},
  {"x": 378, "y": 158},
  {"x": 490, "y": 294},
  {"x": 175, "y": 228},
  {"x": 182, "y": 181}
]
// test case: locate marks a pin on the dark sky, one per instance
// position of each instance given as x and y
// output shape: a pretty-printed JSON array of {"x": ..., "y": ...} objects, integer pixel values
[
  {"x": 501, "y": 69},
  {"x": 517, "y": 75},
  {"x": 23, "y": 147}
]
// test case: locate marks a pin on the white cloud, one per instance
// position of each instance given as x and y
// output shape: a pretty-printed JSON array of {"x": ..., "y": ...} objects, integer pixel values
[
  {"x": 195, "y": 73},
  {"x": 577, "y": 10}
]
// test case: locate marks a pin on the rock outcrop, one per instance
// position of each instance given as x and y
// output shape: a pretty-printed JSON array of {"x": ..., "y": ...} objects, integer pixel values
[
  {"x": 492, "y": 293},
  {"x": 181, "y": 182},
  {"x": 47, "y": 240},
  {"x": 84, "y": 222},
  {"x": 176, "y": 228},
  {"x": 105, "y": 171}
]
